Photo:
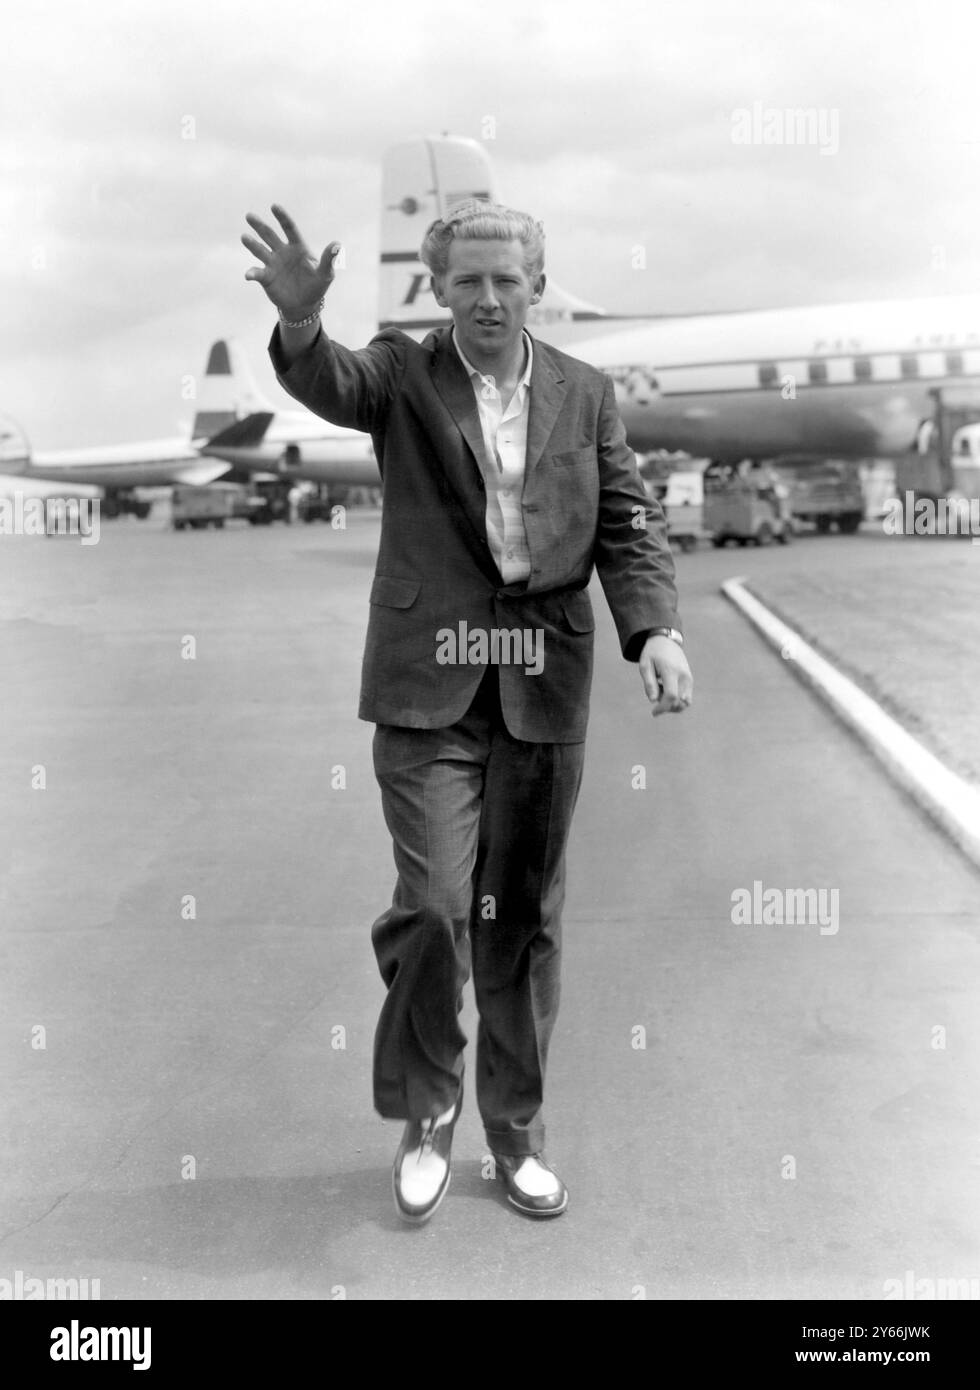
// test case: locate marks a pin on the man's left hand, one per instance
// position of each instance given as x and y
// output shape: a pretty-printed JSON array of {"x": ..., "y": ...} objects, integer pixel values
[{"x": 666, "y": 675}]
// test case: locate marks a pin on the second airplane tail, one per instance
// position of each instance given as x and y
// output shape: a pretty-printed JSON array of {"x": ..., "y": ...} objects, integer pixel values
[
  {"x": 421, "y": 180},
  {"x": 229, "y": 391}
]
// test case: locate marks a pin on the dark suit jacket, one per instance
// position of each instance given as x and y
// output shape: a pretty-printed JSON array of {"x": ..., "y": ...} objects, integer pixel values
[{"x": 583, "y": 500}]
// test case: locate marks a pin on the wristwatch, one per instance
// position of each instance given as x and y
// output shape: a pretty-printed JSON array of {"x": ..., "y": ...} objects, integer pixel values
[{"x": 670, "y": 632}]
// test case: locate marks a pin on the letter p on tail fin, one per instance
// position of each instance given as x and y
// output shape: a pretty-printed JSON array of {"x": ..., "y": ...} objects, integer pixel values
[
  {"x": 227, "y": 392},
  {"x": 420, "y": 181}
]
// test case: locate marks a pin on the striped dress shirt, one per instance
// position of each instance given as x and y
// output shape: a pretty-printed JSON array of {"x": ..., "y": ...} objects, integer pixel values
[{"x": 505, "y": 447}]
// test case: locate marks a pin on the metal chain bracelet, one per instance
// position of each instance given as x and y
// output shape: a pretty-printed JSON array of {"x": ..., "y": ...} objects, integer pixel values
[{"x": 302, "y": 323}]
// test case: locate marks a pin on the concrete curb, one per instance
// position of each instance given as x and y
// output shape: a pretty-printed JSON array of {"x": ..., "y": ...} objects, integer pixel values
[{"x": 947, "y": 798}]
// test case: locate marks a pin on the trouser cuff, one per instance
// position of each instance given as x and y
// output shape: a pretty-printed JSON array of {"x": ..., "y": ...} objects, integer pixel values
[{"x": 516, "y": 1143}]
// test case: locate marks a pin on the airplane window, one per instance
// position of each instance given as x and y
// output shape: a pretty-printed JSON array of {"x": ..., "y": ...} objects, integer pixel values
[
  {"x": 910, "y": 366},
  {"x": 817, "y": 372},
  {"x": 954, "y": 364},
  {"x": 768, "y": 374},
  {"x": 862, "y": 369}
]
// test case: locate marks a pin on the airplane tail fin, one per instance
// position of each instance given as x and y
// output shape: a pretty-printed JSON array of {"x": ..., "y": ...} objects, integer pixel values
[
  {"x": 15, "y": 449},
  {"x": 229, "y": 391},
  {"x": 421, "y": 180},
  {"x": 243, "y": 434}
]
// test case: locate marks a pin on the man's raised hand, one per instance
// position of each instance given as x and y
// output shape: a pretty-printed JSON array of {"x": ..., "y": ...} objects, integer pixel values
[{"x": 291, "y": 276}]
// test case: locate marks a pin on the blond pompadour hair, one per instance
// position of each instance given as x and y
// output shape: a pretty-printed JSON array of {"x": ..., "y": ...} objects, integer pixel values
[{"x": 477, "y": 220}]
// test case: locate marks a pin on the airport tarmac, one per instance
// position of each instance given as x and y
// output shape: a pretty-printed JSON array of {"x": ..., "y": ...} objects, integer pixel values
[{"x": 740, "y": 1111}]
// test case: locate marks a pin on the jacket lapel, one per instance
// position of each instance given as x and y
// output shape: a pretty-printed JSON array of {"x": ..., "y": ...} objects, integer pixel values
[
  {"x": 454, "y": 386},
  {"x": 547, "y": 399},
  {"x": 462, "y": 469}
]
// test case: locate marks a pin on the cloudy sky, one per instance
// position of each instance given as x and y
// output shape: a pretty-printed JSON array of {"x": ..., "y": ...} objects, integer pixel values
[{"x": 613, "y": 122}]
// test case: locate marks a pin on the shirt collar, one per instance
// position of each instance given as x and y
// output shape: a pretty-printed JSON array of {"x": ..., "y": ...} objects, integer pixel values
[{"x": 525, "y": 379}]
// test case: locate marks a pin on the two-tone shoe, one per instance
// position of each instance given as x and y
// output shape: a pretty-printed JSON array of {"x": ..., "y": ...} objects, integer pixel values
[
  {"x": 423, "y": 1167},
  {"x": 533, "y": 1187}
]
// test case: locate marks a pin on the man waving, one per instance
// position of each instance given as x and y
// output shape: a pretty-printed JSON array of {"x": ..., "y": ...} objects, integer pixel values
[{"x": 507, "y": 479}]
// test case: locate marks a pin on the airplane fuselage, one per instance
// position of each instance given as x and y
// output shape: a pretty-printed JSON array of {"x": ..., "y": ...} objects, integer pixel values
[
  {"x": 345, "y": 462},
  {"x": 117, "y": 466},
  {"x": 300, "y": 445},
  {"x": 151, "y": 463},
  {"x": 848, "y": 380}
]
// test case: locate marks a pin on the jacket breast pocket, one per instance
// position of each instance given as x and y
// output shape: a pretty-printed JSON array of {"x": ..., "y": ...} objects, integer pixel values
[
  {"x": 575, "y": 456},
  {"x": 391, "y": 592}
]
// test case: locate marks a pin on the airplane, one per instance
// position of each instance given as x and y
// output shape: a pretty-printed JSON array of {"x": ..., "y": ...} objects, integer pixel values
[
  {"x": 116, "y": 470},
  {"x": 292, "y": 445},
  {"x": 853, "y": 380}
]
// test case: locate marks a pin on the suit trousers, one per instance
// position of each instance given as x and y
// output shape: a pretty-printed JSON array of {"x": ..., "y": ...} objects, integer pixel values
[{"x": 479, "y": 823}]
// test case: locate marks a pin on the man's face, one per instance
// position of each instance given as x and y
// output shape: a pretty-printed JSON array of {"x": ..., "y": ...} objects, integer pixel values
[{"x": 488, "y": 291}]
